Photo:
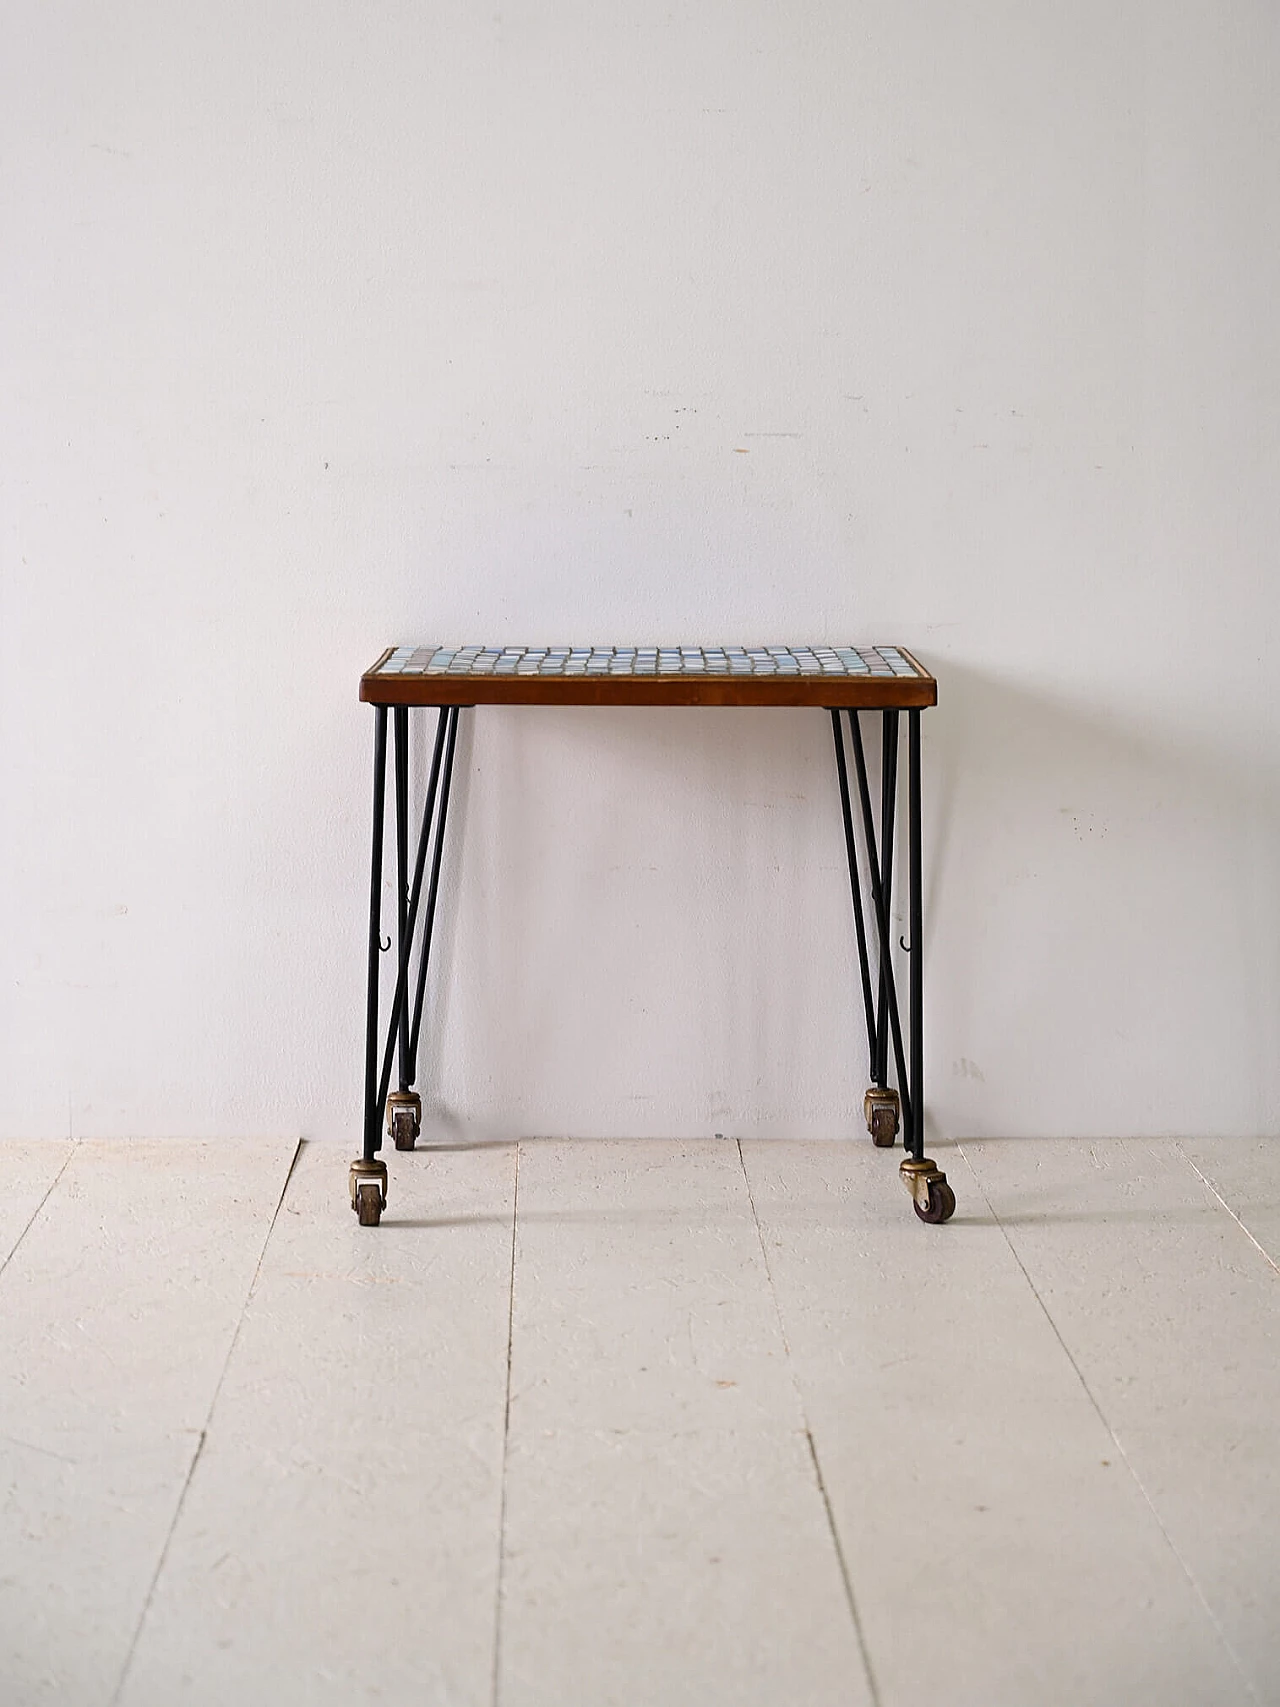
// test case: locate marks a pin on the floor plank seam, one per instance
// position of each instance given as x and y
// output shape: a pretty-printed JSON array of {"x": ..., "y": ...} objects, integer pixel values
[
  {"x": 35, "y": 1213},
  {"x": 872, "y": 1687},
  {"x": 506, "y": 1436},
  {"x": 204, "y": 1435},
  {"x": 841, "y": 1561},
  {"x": 1209, "y": 1186},
  {"x": 1245, "y": 1679}
]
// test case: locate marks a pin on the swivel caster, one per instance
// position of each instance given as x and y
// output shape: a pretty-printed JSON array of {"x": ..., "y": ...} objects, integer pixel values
[
  {"x": 369, "y": 1191},
  {"x": 880, "y": 1106},
  {"x": 933, "y": 1199},
  {"x": 404, "y": 1118}
]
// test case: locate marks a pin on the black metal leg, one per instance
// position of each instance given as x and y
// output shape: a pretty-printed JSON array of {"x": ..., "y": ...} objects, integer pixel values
[
  {"x": 905, "y": 1087},
  {"x": 888, "y": 797},
  {"x": 368, "y": 1174},
  {"x": 399, "y": 1001},
  {"x": 859, "y": 925},
  {"x": 932, "y": 1197},
  {"x": 372, "y": 1106},
  {"x": 915, "y": 1128},
  {"x": 401, "y": 727},
  {"x": 433, "y": 890}
]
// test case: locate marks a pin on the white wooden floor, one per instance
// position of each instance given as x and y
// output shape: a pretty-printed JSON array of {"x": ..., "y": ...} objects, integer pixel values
[{"x": 641, "y": 1424}]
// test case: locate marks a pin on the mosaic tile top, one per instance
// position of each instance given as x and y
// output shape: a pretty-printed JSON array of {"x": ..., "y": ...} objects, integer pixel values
[{"x": 638, "y": 661}]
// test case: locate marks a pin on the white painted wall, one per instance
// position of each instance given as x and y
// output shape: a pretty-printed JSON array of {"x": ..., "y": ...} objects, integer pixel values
[{"x": 333, "y": 325}]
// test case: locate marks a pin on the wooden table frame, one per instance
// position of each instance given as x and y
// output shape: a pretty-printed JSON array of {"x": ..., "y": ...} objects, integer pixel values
[{"x": 844, "y": 681}]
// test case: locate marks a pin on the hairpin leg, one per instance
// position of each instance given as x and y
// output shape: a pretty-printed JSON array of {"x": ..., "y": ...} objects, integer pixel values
[
  {"x": 885, "y": 935},
  {"x": 881, "y": 1104},
  {"x": 932, "y": 1197},
  {"x": 930, "y": 1192},
  {"x": 855, "y": 887},
  {"x": 368, "y": 1179},
  {"x": 404, "y": 1108}
]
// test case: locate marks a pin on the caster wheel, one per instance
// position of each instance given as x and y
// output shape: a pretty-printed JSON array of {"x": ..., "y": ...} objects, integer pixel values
[
  {"x": 940, "y": 1206},
  {"x": 368, "y": 1183},
  {"x": 884, "y": 1127},
  {"x": 931, "y": 1196},
  {"x": 880, "y": 1106},
  {"x": 404, "y": 1118}
]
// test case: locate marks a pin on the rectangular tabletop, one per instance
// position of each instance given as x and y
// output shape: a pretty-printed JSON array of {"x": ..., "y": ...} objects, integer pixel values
[{"x": 874, "y": 677}]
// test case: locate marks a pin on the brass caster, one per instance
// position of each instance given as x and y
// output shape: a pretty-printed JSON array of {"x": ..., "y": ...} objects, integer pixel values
[
  {"x": 933, "y": 1199},
  {"x": 404, "y": 1118},
  {"x": 880, "y": 1106},
  {"x": 369, "y": 1191}
]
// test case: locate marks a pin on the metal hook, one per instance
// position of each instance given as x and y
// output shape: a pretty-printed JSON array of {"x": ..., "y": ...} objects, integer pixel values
[
  {"x": 385, "y": 946},
  {"x": 902, "y": 944}
]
